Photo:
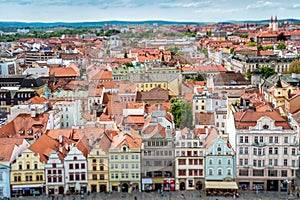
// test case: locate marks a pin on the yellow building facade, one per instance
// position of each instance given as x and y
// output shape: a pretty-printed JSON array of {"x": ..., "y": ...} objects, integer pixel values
[
  {"x": 98, "y": 180},
  {"x": 27, "y": 175}
]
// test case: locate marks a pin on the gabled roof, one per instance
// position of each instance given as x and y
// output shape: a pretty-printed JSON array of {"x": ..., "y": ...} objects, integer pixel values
[
  {"x": 37, "y": 100},
  {"x": 249, "y": 118},
  {"x": 157, "y": 94},
  {"x": 132, "y": 140},
  {"x": 25, "y": 126},
  {"x": 7, "y": 147},
  {"x": 63, "y": 72},
  {"x": 43, "y": 147}
]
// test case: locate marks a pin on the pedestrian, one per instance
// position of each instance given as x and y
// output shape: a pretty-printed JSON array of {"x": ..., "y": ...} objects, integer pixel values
[{"x": 298, "y": 194}]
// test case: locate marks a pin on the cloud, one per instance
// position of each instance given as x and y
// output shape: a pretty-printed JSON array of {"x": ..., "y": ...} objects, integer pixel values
[
  {"x": 262, "y": 4},
  {"x": 296, "y": 5},
  {"x": 185, "y": 4}
]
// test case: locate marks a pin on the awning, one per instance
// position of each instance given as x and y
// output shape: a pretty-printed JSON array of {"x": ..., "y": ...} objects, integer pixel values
[
  {"x": 158, "y": 180},
  {"x": 146, "y": 180},
  {"x": 220, "y": 185},
  {"x": 114, "y": 184},
  {"x": 27, "y": 186}
]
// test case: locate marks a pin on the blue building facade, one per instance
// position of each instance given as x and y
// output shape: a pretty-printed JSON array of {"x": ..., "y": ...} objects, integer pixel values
[
  {"x": 220, "y": 161},
  {"x": 5, "y": 180}
]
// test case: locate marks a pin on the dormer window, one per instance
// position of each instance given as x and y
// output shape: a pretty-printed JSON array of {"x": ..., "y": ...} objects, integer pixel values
[
  {"x": 29, "y": 131},
  {"x": 219, "y": 149},
  {"x": 265, "y": 126},
  {"x": 21, "y": 132},
  {"x": 124, "y": 149}
]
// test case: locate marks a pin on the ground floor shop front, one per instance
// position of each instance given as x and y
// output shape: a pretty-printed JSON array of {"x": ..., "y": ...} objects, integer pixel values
[
  {"x": 221, "y": 188},
  {"x": 28, "y": 190},
  {"x": 124, "y": 186},
  {"x": 189, "y": 184},
  {"x": 158, "y": 184},
  {"x": 282, "y": 185}
]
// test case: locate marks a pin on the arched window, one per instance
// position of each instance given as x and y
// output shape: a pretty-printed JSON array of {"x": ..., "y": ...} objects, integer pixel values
[
  {"x": 210, "y": 172},
  {"x": 228, "y": 161},
  {"x": 219, "y": 172},
  {"x": 229, "y": 172},
  {"x": 210, "y": 161},
  {"x": 219, "y": 161}
]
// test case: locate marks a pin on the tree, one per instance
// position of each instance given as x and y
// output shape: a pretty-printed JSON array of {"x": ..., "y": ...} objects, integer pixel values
[
  {"x": 281, "y": 46},
  {"x": 248, "y": 75},
  {"x": 267, "y": 71},
  {"x": 199, "y": 77},
  {"x": 294, "y": 67},
  {"x": 182, "y": 113}
]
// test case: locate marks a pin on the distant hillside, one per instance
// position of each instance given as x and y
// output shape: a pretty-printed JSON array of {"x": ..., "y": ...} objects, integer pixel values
[
  {"x": 86, "y": 24},
  {"x": 123, "y": 23}
]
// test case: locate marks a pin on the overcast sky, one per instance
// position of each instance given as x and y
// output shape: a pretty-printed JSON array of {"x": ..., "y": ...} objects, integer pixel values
[{"x": 136, "y": 10}]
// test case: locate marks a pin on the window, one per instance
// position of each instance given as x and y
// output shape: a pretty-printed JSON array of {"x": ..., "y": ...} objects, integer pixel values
[
  {"x": 82, "y": 165},
  {"x": 271, "y": 139},
  {"x": 243, "y": 172},
  {"x": 270, "y": 161},
  {"x": 101, "y": 176},
  {"x": 272, "y": 173},
  {"x": 270, "y": 150},
  {"x": 210, "y": 161},
  {"x": 284, "y": 173},
  {"x": 70, "y": 166},
  {"x": 76, "y": 165},
  {"x": 20, "y": 166},
  {"x": 286, "y": 140},
  {"x": 77, "y": 177},
  {"x": 241, "y": 139},
  {"x": 261, "y": 139},
  {"x": 83, "y": 176},
  {"x": 94, "y": 160},
  {"x": 246, "y": 150},
  {"x": 220, "y": 172},
  {"x": 276, "y": 150},
  {"x": 293, "y": 163},
  {"x": 293, "y": 151},
  {"x": 241, "y": 150},
  {"x": 276, "y": 139},
  {"x": 181, "y": 162},
  {"x": 27, "y": 166},
  {"x": 275, "y": 162},
  {"x": 285, "y": 151},
  {"x": 255, "y": 151},
  {"x": 257, "y": 172},
  {"x": 210, "y": 172},
  {"x": 241, "y": 162},
  {"x": 285, "y": 162},
  {"x": 181, "y": 172},
  {"x": 228, "y": 162},
  {"x": 256, "y": 139},
  {"x": 219, "y": 161},
  {"x": 228, "y": 172}
]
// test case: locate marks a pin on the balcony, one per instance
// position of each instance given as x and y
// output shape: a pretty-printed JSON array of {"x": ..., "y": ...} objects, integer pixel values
[
  {"x": 259, "y": 144},
  {"x": 246, "y": 166},
  {"x": 295, "y": 144},
  {"x": 270, "y": 166}
]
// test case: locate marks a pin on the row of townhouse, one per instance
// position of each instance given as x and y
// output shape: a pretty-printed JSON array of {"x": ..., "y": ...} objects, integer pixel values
[{"x": 115, "y": 161}]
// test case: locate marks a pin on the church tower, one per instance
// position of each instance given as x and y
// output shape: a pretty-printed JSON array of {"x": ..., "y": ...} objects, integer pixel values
[
  {"x": 275, "y": 24},
  {"x": 271, "y": 24}
]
